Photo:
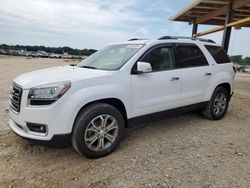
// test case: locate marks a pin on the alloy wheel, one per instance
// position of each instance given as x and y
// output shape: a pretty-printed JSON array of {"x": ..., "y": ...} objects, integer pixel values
[
  {"x": 101, "y": 132},
  {"x": 220, "y": 103}
]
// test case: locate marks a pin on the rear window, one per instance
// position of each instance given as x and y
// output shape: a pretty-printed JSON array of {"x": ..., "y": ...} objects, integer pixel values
[{"x": 219, "y": 54}]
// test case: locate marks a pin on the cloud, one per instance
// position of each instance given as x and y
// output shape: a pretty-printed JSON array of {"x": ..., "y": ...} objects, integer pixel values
[
  {"x": 94, "y": 23},
  {"x": 86, "y": 20}
]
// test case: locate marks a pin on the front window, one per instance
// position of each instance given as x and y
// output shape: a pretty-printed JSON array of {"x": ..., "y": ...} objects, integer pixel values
[
  {"x": 161, "y": 58},
  {"x": 112, "y": 57}
]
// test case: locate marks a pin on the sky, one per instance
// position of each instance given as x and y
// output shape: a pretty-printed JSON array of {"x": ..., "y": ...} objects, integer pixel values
[{"x": 97, "y": 23}]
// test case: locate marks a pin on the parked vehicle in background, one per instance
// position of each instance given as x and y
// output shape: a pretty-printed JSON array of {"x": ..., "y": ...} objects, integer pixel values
[
  {"x": 52, "y": 55},
  {"x": 3, "y": 52},
  {"x": 43, "y": 54},
  {"x": 39, "y": 54},
  {"x": 18, "y": 52},
  {"x": 242, "y": 68},
  {"x": 120, "y": 86}
]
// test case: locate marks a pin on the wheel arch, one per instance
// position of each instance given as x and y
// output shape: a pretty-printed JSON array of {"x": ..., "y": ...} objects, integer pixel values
[
  {"x": 215, "y": 82},
  {"x": 117, "y": 103},
  {"x": 208, "y": 112},
  {"x": 225, "y": 85}
]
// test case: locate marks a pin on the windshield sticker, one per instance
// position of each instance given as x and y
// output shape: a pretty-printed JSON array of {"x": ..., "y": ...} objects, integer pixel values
[{"x": 134, "y": 46}]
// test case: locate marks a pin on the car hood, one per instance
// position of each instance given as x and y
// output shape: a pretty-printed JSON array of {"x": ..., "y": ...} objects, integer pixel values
[{"x": 57, "y": 74}]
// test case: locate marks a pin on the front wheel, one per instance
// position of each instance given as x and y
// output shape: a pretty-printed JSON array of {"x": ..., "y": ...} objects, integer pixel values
[
  {"x": 97, "y": 130},
  {"x": 218, "y": 104}
]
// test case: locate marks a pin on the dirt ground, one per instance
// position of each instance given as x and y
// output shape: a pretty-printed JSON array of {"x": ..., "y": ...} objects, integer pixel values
[{"x": 182, "y": 151}]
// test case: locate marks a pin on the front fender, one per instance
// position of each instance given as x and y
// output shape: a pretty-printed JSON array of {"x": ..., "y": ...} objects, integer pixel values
[{"x": 93, "y": 93}]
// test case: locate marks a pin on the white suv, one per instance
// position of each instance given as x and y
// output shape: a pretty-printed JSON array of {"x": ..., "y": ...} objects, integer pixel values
[{"x": 92, "y": 103}]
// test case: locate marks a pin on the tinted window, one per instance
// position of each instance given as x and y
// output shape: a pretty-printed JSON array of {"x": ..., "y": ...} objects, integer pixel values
[
  {"x": 161, "y": 58},
  {"x": 190, "y": 56},
  {"x": 219, "y": 54}
]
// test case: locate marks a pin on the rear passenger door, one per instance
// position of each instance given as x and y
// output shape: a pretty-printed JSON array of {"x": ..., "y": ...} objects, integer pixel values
[{"x": 196, "y": 72}]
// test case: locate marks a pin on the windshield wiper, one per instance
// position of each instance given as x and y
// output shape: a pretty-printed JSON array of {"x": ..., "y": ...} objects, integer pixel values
[{"x": 88, "y": 67}]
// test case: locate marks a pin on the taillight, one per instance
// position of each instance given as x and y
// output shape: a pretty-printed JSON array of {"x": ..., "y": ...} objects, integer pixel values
[{"x": 234, "y": 68}]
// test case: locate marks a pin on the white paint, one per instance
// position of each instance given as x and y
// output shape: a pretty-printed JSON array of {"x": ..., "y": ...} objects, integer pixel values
[{"x": 141, "y": 94}]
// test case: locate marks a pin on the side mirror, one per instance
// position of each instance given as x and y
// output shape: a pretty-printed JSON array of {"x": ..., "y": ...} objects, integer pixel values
[{"x": 143, "y": 67}]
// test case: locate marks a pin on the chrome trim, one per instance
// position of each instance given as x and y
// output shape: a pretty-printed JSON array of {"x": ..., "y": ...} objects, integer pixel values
[{"x": 15, "y": 97}]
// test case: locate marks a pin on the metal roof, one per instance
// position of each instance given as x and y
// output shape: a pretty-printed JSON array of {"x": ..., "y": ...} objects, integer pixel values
[{"x": 212, "y": 12}]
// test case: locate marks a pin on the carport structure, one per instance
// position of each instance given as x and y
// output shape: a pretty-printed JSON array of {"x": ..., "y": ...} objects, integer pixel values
[{"x": 225, "y": 14}]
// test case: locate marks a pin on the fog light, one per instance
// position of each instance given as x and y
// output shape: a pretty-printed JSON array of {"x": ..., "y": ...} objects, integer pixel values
[{"x": 36, "y": 127}]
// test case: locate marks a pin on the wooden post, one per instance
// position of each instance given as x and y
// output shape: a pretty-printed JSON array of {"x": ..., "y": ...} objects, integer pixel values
[
  {"x": 227, "y": 30},
  {"x": 195, "y": 28}
]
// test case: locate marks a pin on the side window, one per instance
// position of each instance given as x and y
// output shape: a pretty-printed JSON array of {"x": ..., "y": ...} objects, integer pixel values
[
  {"x": 161, "y": 58},
  {"x": 219, "y": 54},
  {"x": 189, "y": 55}
]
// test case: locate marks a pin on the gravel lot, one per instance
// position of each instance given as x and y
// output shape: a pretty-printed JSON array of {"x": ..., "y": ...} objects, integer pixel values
[{"x": 182, "y": 151}]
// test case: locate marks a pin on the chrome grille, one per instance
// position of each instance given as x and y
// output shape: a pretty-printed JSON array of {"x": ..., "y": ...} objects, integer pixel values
[{"x": 15, "y": 97}]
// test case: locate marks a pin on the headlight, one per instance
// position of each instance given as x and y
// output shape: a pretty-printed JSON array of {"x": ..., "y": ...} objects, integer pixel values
[{"x": 50, "y": 92}]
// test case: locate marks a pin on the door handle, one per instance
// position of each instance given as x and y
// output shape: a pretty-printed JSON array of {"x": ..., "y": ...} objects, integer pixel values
[
  {"x": 208, "y": 74},
  {"x": 174, "y": 78}
]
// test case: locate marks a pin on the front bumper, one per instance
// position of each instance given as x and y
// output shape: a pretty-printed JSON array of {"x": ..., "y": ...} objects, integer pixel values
[
  {"x": 57, "y": 117},
  {"x": 23, "y": 131},
  {"x": 60, "y": 140}
]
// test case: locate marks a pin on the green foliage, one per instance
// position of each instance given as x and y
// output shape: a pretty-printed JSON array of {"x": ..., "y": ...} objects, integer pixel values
[
  {"x": 240, "y": 60},
  {"x": 56, "y": 50},
  {"x": 246, "y": 61}
]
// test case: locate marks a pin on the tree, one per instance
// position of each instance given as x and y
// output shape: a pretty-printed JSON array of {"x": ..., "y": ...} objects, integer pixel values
[
  {"x": 246, "y": 60},
  {"x": 237, "y": 59},
  {"x": 56, "y": 50}
]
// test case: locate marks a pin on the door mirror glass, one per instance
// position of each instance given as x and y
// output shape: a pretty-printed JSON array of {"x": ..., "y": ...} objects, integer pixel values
[{"x": 143, "y": 67}]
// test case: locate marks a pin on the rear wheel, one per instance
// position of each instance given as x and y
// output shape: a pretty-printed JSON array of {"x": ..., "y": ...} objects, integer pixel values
[
  {"x": 97, "y": 130},
  {"x": 218, "y": 104}
]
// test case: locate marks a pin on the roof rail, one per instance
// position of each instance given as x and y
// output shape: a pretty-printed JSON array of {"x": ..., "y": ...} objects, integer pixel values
[
  {"x": 132, "y": 39},
  {"x": 192, "y": 38},
  {"x": 136, "y": 39}
]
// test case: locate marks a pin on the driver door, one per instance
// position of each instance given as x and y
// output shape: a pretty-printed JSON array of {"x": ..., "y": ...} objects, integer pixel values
[{"x": 160, "y": 89}]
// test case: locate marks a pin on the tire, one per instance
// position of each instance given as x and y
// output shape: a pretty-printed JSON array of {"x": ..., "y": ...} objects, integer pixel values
[
  {"x": 97, "y": 130},
  {"x": 218, "y": 104}
]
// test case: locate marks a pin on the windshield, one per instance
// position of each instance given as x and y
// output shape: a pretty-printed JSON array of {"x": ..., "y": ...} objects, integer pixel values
[{"x": 112, "y": 57}]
